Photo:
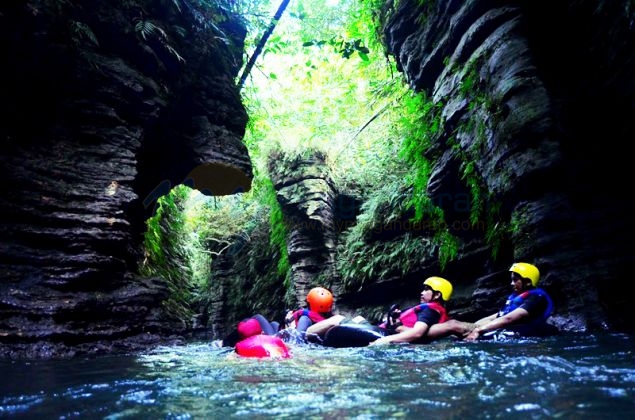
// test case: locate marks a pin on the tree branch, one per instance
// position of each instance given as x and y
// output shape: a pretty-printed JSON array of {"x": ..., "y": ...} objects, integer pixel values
[{"x": 262, "y": 42}]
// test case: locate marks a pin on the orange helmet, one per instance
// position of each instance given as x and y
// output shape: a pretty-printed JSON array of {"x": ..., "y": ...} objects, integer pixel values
[{"x": 320, "y": 300}]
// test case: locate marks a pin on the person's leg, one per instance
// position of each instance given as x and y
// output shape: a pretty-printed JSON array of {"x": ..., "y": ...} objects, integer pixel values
[
  {"x": 452, "y": 327},
  {"x": 265, "y": 325},
  {"x": 303, "y": 323},
  {"x": 275, "y": 325}
]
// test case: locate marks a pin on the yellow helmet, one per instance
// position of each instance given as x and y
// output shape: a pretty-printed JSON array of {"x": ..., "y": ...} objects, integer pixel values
[
  {"x": 527, "y": 271},
  {"x": 440, "y": 284}
]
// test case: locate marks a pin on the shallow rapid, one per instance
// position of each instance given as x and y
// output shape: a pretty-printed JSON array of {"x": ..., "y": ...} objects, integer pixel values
[{"x": 568, "y": 377}]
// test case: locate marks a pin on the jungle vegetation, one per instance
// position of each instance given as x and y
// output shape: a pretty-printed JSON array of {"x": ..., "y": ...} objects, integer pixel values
[{"x": 321, "y": 83}]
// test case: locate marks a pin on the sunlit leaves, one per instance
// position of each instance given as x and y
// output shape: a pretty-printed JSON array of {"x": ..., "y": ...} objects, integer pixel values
[
  {"x": 315, "y": 85},
  {"x": 344, "y": 47}
]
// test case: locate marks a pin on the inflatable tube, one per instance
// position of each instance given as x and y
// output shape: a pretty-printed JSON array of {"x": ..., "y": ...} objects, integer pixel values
[
  {"x": 262, "y": 346},
  {"x": 351, "y": 335},
  {"x": 540, "y": 330}
]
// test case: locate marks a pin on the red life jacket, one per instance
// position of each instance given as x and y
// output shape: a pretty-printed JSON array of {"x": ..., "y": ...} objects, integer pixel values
[
  {"x": 409, "y": 316},
  {"x": 313, "y": 316}
]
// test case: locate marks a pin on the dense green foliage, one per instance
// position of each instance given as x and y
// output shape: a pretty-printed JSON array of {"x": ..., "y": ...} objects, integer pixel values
[
  {"x": 421, "y": 123},
  {"x": 172, "y": 254},
  {"x": 278, "y": 227},
  {"x": 323, "y": 83},
  {"x": 255, "y": 286}
]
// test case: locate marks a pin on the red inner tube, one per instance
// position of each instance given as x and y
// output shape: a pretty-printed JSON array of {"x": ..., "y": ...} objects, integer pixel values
[{"x": 262, "y": 346}]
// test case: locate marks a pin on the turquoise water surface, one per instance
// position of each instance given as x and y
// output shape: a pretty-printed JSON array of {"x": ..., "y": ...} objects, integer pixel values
[{"x": 567, "y": 377}]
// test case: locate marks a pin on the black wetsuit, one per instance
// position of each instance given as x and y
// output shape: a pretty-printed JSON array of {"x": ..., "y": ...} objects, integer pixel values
[{"x": 430, "y": 317}]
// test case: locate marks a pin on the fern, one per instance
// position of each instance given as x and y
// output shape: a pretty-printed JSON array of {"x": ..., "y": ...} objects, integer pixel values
[
  {"x": 421, "y": 122},
  {"x": 168, "y": 254},
  {"x": 81, "y": 31},
  {"x": 360, "y": 263},
  {"x": 147, "y": 29},
  {"x": 177, "y": 4},
  {"x": 174, "y": 53}
]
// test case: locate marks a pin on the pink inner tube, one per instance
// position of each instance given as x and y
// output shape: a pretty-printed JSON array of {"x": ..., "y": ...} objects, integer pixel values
[{"x": 262, "y": 346}]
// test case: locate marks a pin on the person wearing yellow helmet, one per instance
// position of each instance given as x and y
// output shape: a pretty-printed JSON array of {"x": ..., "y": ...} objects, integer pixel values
[
  {"x": 525, "y": 312},
  {"x": 415, "y": 323},
  {"x": 526, "y": 271}
]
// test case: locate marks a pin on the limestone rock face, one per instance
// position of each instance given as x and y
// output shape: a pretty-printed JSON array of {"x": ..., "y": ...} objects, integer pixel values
[
  {"x": 540, "y": 127},
  {"x": 104, "y": 107},
  {"x": 307, "y": 196}
]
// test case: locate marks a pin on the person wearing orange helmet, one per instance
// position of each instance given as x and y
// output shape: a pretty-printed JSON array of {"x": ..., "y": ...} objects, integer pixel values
[
  {"x": 409, "y": 326},
  {"x": 525, "y": 312},
  {"x": 320, "y": 307}
]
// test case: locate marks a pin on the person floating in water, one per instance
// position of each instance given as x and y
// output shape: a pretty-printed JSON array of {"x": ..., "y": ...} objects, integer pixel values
[
  {"x": 408, "y": 327},
  {"x": 320, "y": 305},
  {"x": 257, "y": 324},
  {"x": 524, "y": 314},
  {"x": 436, "y": 292}
]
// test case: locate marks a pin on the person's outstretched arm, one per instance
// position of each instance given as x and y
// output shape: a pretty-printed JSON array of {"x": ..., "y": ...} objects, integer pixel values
[
  {"x": 407, "y": 336},
  {"x": 487, "y": 319},
  {"x": 320, "y": 328},
  {"x": 514, "y": 317}
]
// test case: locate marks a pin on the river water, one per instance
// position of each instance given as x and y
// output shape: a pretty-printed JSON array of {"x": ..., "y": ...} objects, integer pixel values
[{"x": 567, "y": 377}]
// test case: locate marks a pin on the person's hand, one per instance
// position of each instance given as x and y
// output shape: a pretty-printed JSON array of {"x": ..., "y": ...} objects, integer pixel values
[
  {"x": 474, "y": 335},
  {"x": 289, "y": 321},
  {"x": 379, "y": 341},
  {"x": 394, "y": 312},
  {"x": 392, "y": 319}
]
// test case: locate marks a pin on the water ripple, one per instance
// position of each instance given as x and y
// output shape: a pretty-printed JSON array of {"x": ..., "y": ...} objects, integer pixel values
[{"x": 563, "y": 377}]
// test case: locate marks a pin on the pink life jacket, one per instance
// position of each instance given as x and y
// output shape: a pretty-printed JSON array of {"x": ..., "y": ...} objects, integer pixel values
[{"x": 409, "y": 316}]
